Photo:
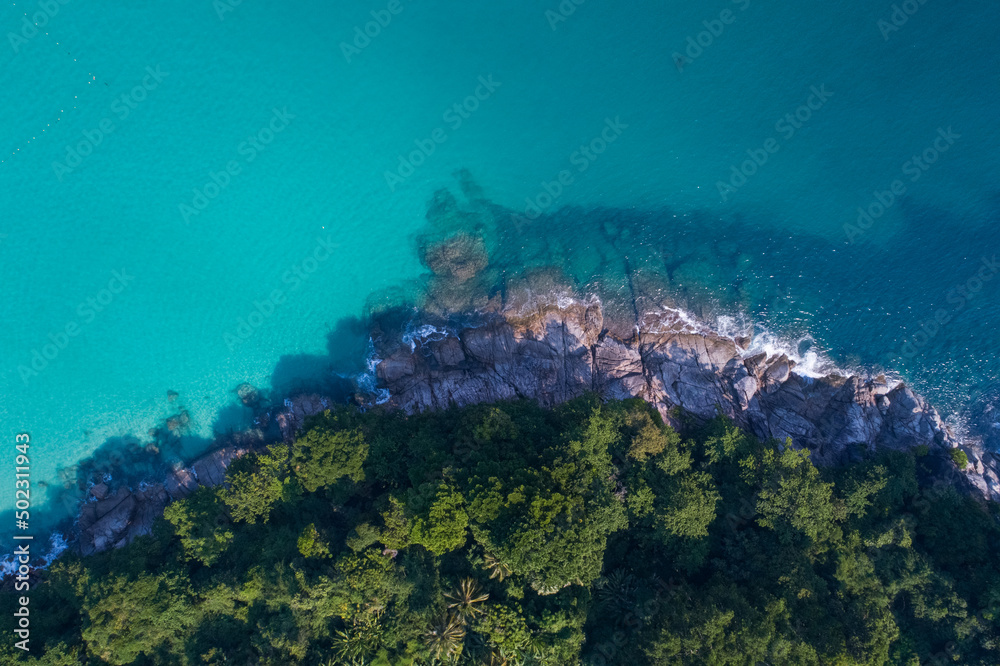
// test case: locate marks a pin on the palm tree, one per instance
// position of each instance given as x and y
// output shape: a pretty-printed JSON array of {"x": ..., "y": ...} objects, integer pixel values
[
  {"x": 618, "y": 590},
  {"x": 464, "y": 600},
  {"x": 445, "y": 638},
  {"x": 500, "y": 658},
  {"x": 362, "y": 638},
  {"x": 352, "y": 645},
  {"x": 497, "y": 569}
]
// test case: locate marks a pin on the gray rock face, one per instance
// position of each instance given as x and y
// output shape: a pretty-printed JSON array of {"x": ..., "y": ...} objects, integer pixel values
[
  {"x": 120, "y": 518},
  {"x": 553, "y": 349},
  {"x": 112, "y": 522},
  {"x": 296, "y": 411},
  {"x": 116, "y": 520}
]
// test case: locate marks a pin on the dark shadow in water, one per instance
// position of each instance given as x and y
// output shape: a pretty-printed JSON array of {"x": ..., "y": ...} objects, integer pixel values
[
  {"x": 861, "y": 300},
  {"x": 233, "y": 418},
  {"x": 347, "y": 346}
]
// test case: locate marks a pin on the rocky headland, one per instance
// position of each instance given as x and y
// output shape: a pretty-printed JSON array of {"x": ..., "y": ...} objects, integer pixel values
[
  {"x": 494, "y": 320},
  {"x": 553, "y": 347}
]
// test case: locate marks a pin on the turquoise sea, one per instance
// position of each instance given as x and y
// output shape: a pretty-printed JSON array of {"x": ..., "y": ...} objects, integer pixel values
[{"x": 201, "y": 194}]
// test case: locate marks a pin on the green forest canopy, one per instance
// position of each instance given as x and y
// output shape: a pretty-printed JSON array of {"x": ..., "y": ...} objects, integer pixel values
[{"x": 511, "y": 534}]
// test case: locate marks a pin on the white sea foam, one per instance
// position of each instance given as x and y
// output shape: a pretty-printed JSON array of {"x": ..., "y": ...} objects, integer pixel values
[
  {"x": 57, "y": 544},
  {"x": 960, "y": 425},
  {"x": 978, "y": 416},
  {"x": 423, "y": 333},
  {"x": 811, "y": 359},
  {"x": 367, "y": 380},
  {"x": 564, "y": 300},
  {"x": 669, "y": 319},
  {"x": 532, "y": 301}
]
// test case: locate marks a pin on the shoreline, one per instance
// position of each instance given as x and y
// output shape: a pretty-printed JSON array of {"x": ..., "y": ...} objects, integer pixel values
[
  {"x": 553, "y": 347},
  {"x": 473, "y": 331}
]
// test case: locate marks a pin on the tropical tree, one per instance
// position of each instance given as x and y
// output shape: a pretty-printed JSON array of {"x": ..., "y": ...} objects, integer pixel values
[
  {"x": 464, "y": 601},
  {"x": 332, "y": 448},
  {"x": 201, "y": 523},
  {"x": 497, "y": 569},
  {"x": 128, "y": 618},
  {"x": 444, "y": 638},
  {"x": 255, "y": 483},
  {"x": 441, "y": 526}
]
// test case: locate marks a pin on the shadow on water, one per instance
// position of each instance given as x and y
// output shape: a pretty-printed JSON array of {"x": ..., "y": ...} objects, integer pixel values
[
  {"x": 862, "y": 299},
  {"x": 233, "y": 418},
  {"x": 137, "y": 458},
  {"x": 131, "y": 460}
]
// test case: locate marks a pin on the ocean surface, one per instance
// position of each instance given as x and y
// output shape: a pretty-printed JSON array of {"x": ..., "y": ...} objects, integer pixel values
[{"x": 203, "y": 194}]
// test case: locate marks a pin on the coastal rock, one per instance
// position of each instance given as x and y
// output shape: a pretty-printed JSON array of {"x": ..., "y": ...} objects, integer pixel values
[
  {"x": 120, "y": 518},
  {"x": 297, "y": 410},
  {"x": 179, "y": 423},
  {"x": 181, "y": 483},
  {"x": 538, "y": 342},
  {"x": 248, "y": 394},
  {"x": 99, "y": 490},
  {"x": 777, "y": 373},
  {"x": 459, "y": 258},
  {"x": 116, "y": 520},
  {"x": 552, "y": 348},
  {"x": 210, "y": 470},
  {"x": 619, "y": 368}
]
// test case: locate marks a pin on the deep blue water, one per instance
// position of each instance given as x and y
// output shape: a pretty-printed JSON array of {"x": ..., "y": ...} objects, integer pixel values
[{"x": 186, "y": 167}]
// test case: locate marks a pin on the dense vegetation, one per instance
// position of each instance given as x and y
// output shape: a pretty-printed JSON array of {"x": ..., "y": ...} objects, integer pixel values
[{"x": 509, "y": 534}]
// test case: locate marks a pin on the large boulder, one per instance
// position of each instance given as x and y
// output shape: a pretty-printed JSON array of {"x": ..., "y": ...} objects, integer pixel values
[{"x": 112, "y": 521}]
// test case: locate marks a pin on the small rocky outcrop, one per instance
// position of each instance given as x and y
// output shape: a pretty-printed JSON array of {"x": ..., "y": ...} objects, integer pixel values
[
  {"x": 248, "y": 394},
  {"x": 112, "y": 520},
  {"x": 179, "y": 423},
  {"x": 297, "y": 410},
  {"x": 459, "y": 258},
  {"x": 117, "y": 519}
]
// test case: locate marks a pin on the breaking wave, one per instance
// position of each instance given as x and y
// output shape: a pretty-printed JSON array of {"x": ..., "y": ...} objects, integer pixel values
[{"x": 57, "y": 544}]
